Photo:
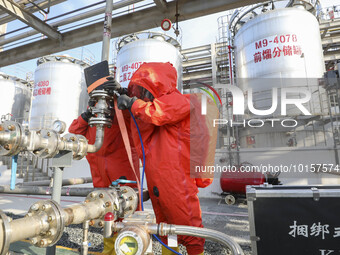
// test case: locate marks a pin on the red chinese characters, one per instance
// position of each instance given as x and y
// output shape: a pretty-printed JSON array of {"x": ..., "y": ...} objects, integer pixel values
[
  {"x": 284, "y": 51},
  {"x": 42, "y": 88},
  {"x": 284, "y": 45},
  {"x": 128, "y": 70},
  {"x": 257, "y": 57},
  {"x": 267, "y": 54}
]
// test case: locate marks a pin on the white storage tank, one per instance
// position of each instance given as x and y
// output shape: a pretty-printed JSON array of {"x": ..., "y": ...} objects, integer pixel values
[
  {"x": 135, "y": 49},
  {"x": 278, "y": 49},
  {"x": 15, "y": 98},
  {"x": 59, "y": 91}
]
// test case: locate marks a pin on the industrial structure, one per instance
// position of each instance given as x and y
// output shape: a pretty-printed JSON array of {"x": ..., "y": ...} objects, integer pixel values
[{"x": 274, "y": 67}]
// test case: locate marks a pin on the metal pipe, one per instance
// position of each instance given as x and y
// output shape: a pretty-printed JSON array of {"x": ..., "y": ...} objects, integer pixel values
[
  {"x": 69, "y": 20},
  {"x": 107, "y": 30},
  {"x": 27, "y": 227},
  {"x": 82, "y": 212},
  {"x": 210, "y": 235},
  {"x": 32, "y": 190},
  {"x": 72, "y": 192},
  {"x": 85, "y": 244},
  {"x": 65, "y": 182},
  {"x": 99, "y": 140},
  {"x": 45, "y": 221},
  {"x": 57, "y": 183}
]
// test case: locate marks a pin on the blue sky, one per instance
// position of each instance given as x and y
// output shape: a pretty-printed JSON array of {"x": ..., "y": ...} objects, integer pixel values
[{"x": 195, "y": 32}]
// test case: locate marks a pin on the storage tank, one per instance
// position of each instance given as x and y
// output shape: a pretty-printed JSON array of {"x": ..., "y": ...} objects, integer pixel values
[
  {"x": 59, "y": 91},
  {"x": 15, "y": 98},
  {"x": 278, "y": 49},
  {"x": 135, "y": 49}
]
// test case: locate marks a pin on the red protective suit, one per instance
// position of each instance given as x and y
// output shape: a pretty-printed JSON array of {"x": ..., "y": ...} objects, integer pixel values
[
  {"x": 165, "y": 130},
  {"x": 111, "y": 161}
]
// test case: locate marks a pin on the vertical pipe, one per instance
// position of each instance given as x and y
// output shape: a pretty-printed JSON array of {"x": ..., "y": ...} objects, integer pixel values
[
  {"x": 107, "y": 30},
  {"x": 56, "y": 195},
  {"x": 85, "y": 244},
  {"x": 57, "y": 183},
  {"x": 14, "y": 171},
  {"x": 22, "y": 165},
  {"x": 336, "y": 155}
]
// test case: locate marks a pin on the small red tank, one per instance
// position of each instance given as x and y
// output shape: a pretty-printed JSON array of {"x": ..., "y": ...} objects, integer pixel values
[{"x": 236, "y": 182}]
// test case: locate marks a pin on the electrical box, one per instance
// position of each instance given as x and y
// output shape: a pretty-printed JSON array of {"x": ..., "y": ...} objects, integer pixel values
[{"x": 294, "y": 220}]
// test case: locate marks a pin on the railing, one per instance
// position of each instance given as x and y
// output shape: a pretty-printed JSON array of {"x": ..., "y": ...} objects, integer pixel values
[{"x": 330, "y": 13}]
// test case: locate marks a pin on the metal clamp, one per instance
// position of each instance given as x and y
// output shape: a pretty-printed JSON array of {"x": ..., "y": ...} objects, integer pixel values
[{"x": 316, "y": 194}]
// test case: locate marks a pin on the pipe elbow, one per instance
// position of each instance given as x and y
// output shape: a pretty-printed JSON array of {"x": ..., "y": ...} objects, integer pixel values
[{"x": 92, "y": 148}]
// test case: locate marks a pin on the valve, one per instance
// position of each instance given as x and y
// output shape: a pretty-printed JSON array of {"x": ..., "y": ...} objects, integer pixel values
[{"x": 122, "y": 181}]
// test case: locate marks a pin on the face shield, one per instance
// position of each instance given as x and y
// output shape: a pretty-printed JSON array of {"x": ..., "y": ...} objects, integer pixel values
[{"x": 141, "y": 93}]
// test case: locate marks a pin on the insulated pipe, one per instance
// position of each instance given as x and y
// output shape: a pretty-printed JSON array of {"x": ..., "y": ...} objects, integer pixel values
[
  {"x": 164, "y": 229},
  {"x": 65, "y": 182},
  {"x": 210, "y": 235}
]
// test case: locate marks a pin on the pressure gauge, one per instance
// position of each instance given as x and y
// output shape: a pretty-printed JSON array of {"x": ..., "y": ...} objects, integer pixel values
[
  {"x": 132, "y": 240},
  {"x": 128, "y": 245},
  {"x": 59, "y": 126}
]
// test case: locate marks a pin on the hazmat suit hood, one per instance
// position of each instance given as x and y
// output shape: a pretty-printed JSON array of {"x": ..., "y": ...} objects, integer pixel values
[{"x": 153, "y": 78}]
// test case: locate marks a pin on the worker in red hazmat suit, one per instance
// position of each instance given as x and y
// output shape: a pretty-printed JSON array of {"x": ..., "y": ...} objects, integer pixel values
[
  {"x": 163, "y": 116},
  {"x": 111, "y": 161}
]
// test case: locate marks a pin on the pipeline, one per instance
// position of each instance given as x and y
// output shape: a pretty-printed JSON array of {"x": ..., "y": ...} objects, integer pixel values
[
  {"x": 164, "y": 229},
  {"x": 45, "y": 221},
  {"x": 47, "y": 143},
  {"x": 66, "y": 21},
  {"x": 211, "y": 235},
  {"x": 72, "y": 192},
  {"x": 99, "y": 140},
  {"x": 65, "y": 182}
]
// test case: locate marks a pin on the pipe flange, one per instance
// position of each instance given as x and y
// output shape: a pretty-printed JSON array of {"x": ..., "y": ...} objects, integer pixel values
[
  {"x": 55, "y": 217},
  {"x": 96, "y": 94},
  {"x": 11, "y": 138},
  {"x": 79, "y": 147},
  {"x": 130, "y": 201},
  {"x": 106, "y": 122},
  {"x": 50, "y": 148},
  {"x": 5, "y": 233},
  {"x": 109, "y": 199}
]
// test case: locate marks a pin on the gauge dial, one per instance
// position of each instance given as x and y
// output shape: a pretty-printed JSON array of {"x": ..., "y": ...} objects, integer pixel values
[
  {"x": 59, "y": 126},
  {"x": 128, "y": 245},
  {"x": 166, "y": 24}
]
